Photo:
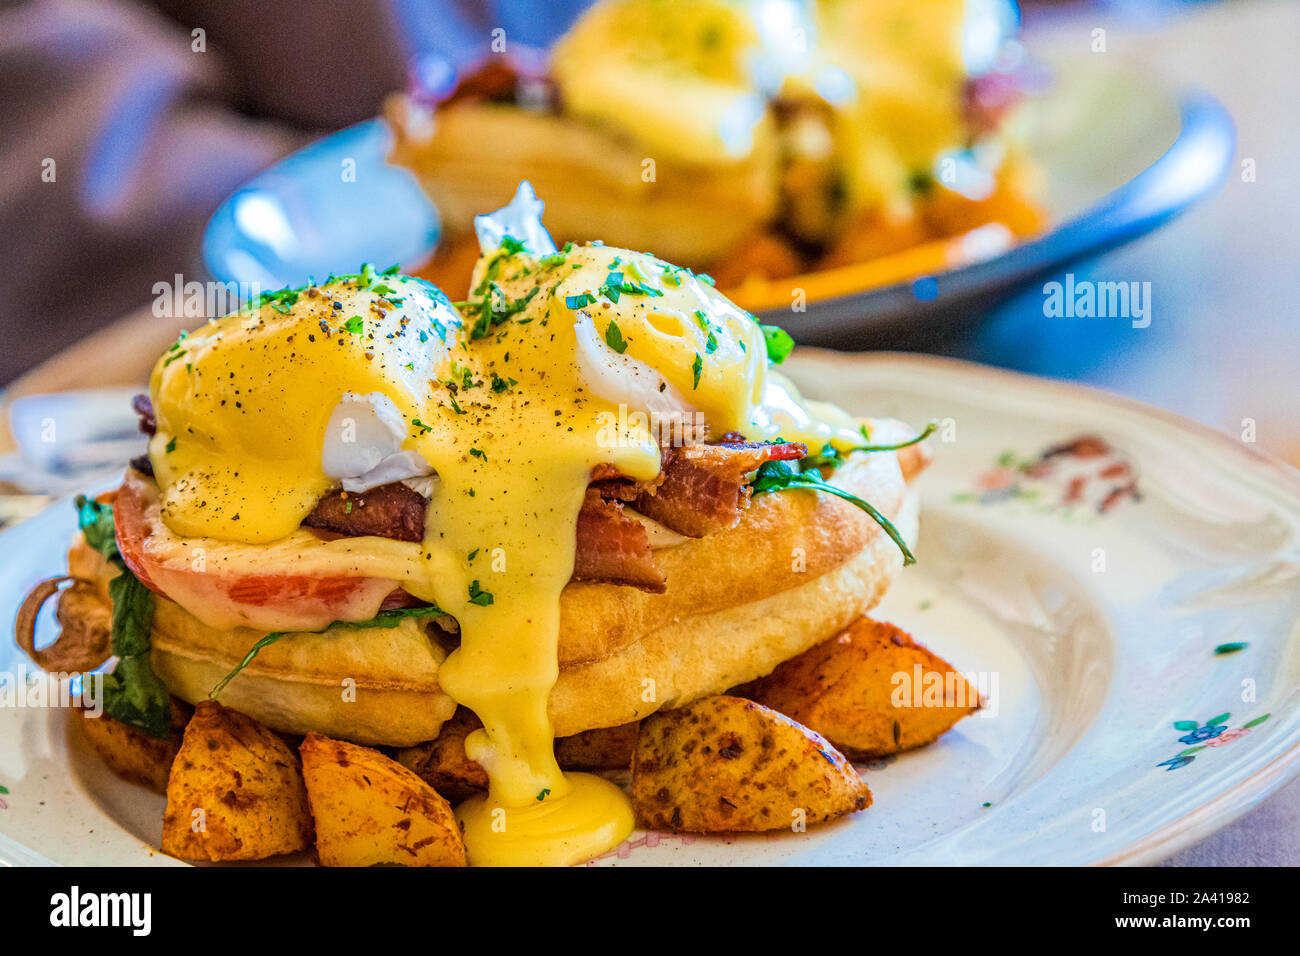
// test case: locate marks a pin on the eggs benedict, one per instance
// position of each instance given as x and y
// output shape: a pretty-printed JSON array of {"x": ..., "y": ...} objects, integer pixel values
[
  {"x": 577, "y": 496},
  {"x": 821, "y": 134}
]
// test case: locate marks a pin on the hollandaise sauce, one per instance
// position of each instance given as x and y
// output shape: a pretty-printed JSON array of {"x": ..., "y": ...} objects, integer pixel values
[{"x": 503, "y": 407}]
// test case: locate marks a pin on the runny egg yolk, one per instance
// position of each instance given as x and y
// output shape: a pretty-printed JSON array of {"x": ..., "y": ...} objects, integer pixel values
[{"x": 496, "y": 401}]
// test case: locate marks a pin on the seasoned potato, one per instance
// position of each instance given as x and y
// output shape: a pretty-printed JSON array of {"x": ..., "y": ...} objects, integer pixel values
[
  {"x": 132, "y": 754},
  {"x": 371, "y": 810},
  {"x": 235, "y": 791},
  {"x": 846, "y": 689},
  {"x": 442, "y": 762},
  {"x": 726, "y": 763},
  {"x": 609, "y": 748}
]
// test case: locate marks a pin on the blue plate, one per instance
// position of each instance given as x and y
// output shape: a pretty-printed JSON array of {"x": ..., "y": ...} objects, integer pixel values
[
  {"x": 1120, "y": 157},
  {"x": 327, "y": 208}
]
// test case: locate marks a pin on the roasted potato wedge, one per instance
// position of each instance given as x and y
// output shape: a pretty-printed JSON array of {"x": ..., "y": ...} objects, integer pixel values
[
  {"x": 730, "y": 764},
  {"x": 846, "y": 688},
  {"x": 608, "y": 748},
  {"x": 442, "y": 762},
  {"x": 371, "y": 810},
  {"x": 235, "y": 791},
  {"x": 132, "y": 754}
]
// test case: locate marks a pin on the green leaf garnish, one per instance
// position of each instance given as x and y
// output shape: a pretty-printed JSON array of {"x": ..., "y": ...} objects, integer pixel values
[
  {"x": 782, "y": 475},
  {"x": 614, "y": 338},
  {"x": 779, "y": 343},
  {"x": 494, "y": 309},
  {"x": 384, "y": 619},
  {"x": 478, "y": 596},
  {"x": 929, "y": 430},
  {"x": 133, "y": 693}
]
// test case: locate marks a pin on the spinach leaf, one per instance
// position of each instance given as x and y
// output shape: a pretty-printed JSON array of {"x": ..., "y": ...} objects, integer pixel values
[{"x": 133, "y": 693}]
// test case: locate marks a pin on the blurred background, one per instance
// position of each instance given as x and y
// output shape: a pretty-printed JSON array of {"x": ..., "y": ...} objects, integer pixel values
[{"x": 127, "y": 123}]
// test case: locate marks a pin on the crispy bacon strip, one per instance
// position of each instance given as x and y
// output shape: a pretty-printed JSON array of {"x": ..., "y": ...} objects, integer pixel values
[
  {"x": 610, "y": 547},
  {"x": 389, "y": 511},
  {"x": 613, "y": 547},
  {"x": 702, "y": 488}
]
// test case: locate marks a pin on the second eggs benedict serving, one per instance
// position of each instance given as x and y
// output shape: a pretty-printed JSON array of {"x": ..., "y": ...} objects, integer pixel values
[{"x": 576, "y": 497}]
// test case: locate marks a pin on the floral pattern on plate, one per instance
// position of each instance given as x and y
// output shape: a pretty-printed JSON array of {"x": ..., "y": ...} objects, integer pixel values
[
  {"x": 1083, "y": 472},
  {"x": 1213, "y": 733}
]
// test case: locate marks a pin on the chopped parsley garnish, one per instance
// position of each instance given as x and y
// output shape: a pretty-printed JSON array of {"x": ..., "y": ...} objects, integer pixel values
[
  {"x": 500, "y": 384},
  {"x": 424, "y": 429},
  {"x": 509, "y": 247},
  {"x": 546, "y": 792},
  {"x": 579, "y": 301},
  {"x": 615, "y": 285},
  {"x": 614, "y": 338},
  {"x": 462, "y": 377},
  {"x": 355, "y": 325},
  {"x": 556, "y": 258},
  {"x": 478, "y": 596},
  {"x": 282, "y": 300},
  {"x": 478, "y": 453},
  {"x": 494, "y": 309},
  {"x": 711, "y": 345},
  {"x": 697, "y": 366},
  {"x": 171, "y": 445},
  {"x": 473, "y": 554},
  {"x": 779, "y": 343}
]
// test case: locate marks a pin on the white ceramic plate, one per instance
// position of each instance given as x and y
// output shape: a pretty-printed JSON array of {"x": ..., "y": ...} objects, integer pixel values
[{"x": 1093, "y": 584}]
